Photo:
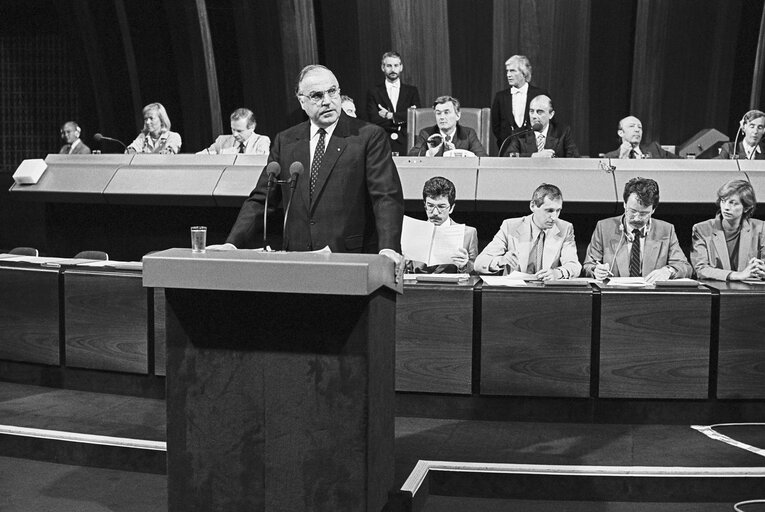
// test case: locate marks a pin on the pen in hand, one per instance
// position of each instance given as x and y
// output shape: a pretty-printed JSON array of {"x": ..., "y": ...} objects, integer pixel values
[{"x": 599, "y": 265}]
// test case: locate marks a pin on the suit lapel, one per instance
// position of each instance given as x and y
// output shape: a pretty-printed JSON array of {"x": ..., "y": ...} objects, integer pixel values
[
  {"x": 620, "y": 247},
  {"x": 651, "y": 249},
  {"x": 523, "y": 235},
  {"x": 302, "y": 153},
  {"x": 721, "y": 248},
  {"x": 385, "y": 99},
  {"x": 744, "y": 244},
  {"x": 553, "y": 243}
]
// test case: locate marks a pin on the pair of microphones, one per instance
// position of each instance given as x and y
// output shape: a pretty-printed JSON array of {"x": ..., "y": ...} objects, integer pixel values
[{"x": 272, "y": 170}]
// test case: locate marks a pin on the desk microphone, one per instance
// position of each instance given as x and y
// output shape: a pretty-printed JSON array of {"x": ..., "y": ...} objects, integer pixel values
[
  {"x": 537, "y": 127},
  {"x": 98, "y": 138},
  {"x": 272, "y": 170},
  {"x": 296, "y": 169}
]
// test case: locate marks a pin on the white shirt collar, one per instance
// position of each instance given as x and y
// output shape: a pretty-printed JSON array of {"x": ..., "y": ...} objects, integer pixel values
[
  {"x": 330, "y": 129},
  {"x": 522, "y": 89},
  {"x": 396, "y": 83},
  {"x": 747, "y": 148}
]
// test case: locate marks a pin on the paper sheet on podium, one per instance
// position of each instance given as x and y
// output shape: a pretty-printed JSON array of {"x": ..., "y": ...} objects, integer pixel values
[{"x": 431, "y": 244}]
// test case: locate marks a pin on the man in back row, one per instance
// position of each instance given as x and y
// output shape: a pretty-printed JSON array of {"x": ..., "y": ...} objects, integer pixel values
[
  {"x": 447, "y": 134},
  {"x": 635, "y": 244},
  {"x": 548, "y": 139},
  {"x": 510, "y": 108},
  {"x": 243, "y": 138},
  {"x": 630, "y": 131},
  {"x": 70, "y": 132},
  {"x": 388, "y": 102}
]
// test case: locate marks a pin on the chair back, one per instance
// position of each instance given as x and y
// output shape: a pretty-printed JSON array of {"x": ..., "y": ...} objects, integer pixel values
[
  {"x": 24, "y": 251},
  {"x": 92, "y": 255},
  {"x": 478, "y": 119}
]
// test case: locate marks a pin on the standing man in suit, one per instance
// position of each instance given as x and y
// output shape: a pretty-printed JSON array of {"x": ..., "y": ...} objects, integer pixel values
[
  {"x": 439, "y": 196},
  {"x": 388, "y": 102},
  {"x": 548, "y": 140},
  {"x": 635, "y": 244},
  {"x": 630, "y": 131},
  {"x": 541, "y": 243},
  {"x": 70, "y": 132},
  {"x": 447, "y": 134},
  {"x": 243, "y": 138},
  {"x": 349, "y": 198},
  {"x": 510, "y": 109},
  {"x": 751, "y": 148}
]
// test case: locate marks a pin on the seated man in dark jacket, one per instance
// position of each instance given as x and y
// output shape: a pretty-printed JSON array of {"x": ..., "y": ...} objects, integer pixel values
[
  {"x": 547, "y": 140},
  {"x": 447, "y": 134},
  {"x": 631, "y": 132}
]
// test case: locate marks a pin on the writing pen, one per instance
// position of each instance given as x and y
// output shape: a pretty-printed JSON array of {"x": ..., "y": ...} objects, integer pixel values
[{"x": 610, "y": 274}]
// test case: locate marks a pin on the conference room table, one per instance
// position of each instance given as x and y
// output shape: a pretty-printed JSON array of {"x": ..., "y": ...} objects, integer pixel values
[{"x": 703, "y": 341}]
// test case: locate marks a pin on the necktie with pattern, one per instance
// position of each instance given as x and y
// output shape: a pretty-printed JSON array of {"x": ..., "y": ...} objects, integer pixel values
[
  {"x": 241, "y": 147},
  {"x": 540, "y": 142},
  {"x": 318, "y": 155},
  {"x": 635, "y": 267}
]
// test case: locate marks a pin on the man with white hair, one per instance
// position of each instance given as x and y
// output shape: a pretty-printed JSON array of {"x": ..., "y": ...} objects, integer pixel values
[{"x": 510, "y": 109}]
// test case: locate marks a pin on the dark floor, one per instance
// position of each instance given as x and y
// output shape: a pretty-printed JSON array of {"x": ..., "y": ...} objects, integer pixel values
[{"x": 30, "y": 486}]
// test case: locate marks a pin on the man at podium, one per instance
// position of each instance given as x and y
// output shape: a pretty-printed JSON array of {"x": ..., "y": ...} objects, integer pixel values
[{"x": 349, "y": 198}]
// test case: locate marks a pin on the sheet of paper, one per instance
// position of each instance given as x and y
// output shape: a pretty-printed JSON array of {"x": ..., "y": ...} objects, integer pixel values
[
  {"x": 627, "y": 281},
  {"x": 437, "y": 278},
  {"x": 523, "y": 276},
  {"x": 446, "y": 242},
  {"x": 502, "y": 281},
  {"x": 416, "y": 239}
]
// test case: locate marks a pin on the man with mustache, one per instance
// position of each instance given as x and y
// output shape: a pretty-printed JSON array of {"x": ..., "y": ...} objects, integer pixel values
[
  {"x": 635, "y": 244},
  {"x": 388, "y": 102}
]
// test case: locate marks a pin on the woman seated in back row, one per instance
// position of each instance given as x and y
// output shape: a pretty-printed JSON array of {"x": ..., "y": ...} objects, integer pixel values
[
  {"x": 731, "y": 246},
  {"x": 156, "y": 136}
]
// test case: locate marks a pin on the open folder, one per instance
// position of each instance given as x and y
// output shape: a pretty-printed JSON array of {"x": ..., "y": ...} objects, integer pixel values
[{"x": 433, "y": 245}]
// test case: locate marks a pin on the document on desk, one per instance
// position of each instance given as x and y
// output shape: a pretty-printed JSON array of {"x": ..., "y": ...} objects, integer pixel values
[
  {"x": 433, "y": 245},
  {"x": 502, "y": 281},
  {"x": 636, "y": 282}
]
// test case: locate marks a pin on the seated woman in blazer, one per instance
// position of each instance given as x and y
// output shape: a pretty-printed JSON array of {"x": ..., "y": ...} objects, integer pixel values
[{"x": 731, "y": 246}]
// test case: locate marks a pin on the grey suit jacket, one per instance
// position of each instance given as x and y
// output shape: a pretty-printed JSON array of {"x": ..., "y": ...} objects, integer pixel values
[
  {"x": 514, "y": 236},
  {"x": 609, "y": 244},
  {"x": 709, "y": 253}
]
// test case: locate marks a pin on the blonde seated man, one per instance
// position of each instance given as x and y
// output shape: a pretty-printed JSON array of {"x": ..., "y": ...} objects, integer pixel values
[
  {"x": 243, "y": 138},
  {"x": 540, "y": 244},
  {"x": 439, "y": 194}
]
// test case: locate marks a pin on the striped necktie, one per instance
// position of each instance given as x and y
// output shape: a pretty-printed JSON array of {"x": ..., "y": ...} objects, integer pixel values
[
  {"x": 635, "y": 267},
  {"x": 535, "y": 254},
  {"x": 540, "y": 142}
]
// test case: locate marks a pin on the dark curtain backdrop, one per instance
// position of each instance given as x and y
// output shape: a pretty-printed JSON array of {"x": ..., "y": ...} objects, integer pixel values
[{"x": 679, "y": 65}]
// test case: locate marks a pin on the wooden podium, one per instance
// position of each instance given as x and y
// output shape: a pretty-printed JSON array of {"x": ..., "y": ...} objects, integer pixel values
[{"x": 280, "y": 379}]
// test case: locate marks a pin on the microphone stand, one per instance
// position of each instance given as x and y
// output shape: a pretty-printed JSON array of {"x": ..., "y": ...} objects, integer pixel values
[
  {"x": 507, "y": 139},
  {"x": 293, "y": 182},
  {"x": 269, "y": 186}
]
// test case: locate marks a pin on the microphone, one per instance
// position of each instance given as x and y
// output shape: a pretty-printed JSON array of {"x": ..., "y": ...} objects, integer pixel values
[
  {"x": 432, "y": 141},
  {"x": 536, "y": 127},
  {"x": 734, "y": 152},
  {"x": 98, "y": 138},
  {"x": 296, "y": 169},
  {"x": 272, "y": 170}
]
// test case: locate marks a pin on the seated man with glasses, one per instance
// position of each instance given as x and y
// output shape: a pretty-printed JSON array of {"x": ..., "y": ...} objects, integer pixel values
[
  {"x": 635, "y": 244},
  {"x": 541, "y": 243},
  {"x": 439, "y": 195}
]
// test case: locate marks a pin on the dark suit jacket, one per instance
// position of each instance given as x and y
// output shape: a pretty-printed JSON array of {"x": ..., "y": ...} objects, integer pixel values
[
  {"x": 357, "y": 206},
  {"x": 464, "y": 138},
  {"x": 408, "y": 96},
  {"x": 652, "y": 148},
  {"x": 502, "y": 119},
  {"x": 727, "y": 148},
  {"x": 558, "y": 139}
]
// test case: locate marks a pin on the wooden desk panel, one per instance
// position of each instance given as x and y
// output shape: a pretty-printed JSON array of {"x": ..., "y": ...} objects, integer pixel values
[
  {"x": 29, "y": 317},
  {"x": 106, "y": 321},
  {"x": 655, "y": 344},
  {"x": 741, "y": 355},
  {"x": 434, "y": 338},
  {"x": 536, "y": 341},
  {"x": 160, "y": 331}
]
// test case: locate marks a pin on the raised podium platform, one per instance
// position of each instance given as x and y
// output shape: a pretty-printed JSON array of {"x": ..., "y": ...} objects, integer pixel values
[{"x": 280, "y": 379}]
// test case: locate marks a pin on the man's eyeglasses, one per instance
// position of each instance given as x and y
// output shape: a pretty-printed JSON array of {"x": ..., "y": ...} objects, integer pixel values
[
  {"x": 635, "y": 213},
  {"x": 318, "y": 96},
  {"x": 441, "y": 208}
]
